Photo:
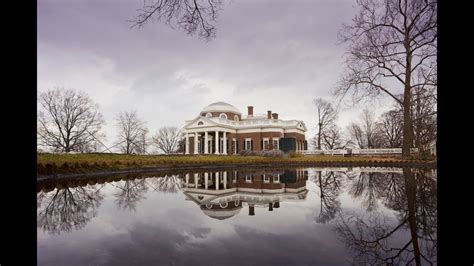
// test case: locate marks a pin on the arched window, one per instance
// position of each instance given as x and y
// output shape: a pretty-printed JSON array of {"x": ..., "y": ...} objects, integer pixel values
[
  {"x": 236, "y": 117},
  {"x": 223, "y": 116},
  {"x": 200, "y": 123},
  {"x": 208, "y": 115}
]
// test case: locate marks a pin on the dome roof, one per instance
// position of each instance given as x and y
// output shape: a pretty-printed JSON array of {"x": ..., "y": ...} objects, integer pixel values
[
  {"x": 221, "y": 214},
  {"x": 221, "y": 107}
]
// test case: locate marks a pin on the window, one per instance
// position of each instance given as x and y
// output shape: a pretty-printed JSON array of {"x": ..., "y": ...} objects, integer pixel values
[
  {"x": 200, "y": 123},
  {"x": 275, "y": 144},
  {"x": 223, "y": 116},
  {"x": 236, "y": 117},
  {"x": 208, "y": 115},
  {"x": 248, "y": 178},
  {"x": 234, "y": 146},
  {"x": 266, "y": 143},
  {"x": 276, "y": 179},
  {"x": 248, "y": 144},
  {"x": 266, "y": 179}
]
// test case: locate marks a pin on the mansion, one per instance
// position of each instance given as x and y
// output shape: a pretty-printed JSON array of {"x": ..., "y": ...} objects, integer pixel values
[{"x": 220, "y": 128}]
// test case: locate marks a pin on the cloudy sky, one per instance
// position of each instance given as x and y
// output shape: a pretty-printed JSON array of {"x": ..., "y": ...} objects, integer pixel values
[{"x": 273, "y": 54}]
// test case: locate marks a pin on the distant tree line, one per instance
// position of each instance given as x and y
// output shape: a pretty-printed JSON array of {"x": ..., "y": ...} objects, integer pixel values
[
  {"x": 371, "y": 132},
  {"x": 70, "y": 121}
]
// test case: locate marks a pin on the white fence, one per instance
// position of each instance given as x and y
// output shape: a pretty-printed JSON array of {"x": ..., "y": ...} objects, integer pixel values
[{"x": 357, "y": 151}]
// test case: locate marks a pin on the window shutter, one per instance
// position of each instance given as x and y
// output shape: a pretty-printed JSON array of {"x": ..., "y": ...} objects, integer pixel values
[{"x": 251, "y": 144}]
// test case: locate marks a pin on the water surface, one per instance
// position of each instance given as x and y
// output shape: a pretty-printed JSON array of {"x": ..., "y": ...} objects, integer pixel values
[{"x": 302, "y": 216}]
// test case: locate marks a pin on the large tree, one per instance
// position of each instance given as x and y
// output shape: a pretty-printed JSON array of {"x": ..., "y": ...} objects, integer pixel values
[
  {"x": 326, "y": 118},
  {"x": 68, "y": 120},
  {"x": 132, "y": 133},
  {"x": 167, "y": 139},
  {"x": 392, "y": 51},
  {"x": 190, "y": 15}
]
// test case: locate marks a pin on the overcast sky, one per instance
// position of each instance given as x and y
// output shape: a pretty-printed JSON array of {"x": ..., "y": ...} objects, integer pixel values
[{"x": 273, "y": 54}]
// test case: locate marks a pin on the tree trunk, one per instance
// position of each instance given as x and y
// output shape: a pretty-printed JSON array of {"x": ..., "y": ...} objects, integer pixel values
[
  {"x": 319, "y": 137},
  {"x": 410, "y": 188},
  {"x": 407, "y": 119}
]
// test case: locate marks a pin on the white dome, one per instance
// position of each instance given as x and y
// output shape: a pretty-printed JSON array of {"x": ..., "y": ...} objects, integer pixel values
[
  {"x": 221, "y": 107},
  {"x": 221, "y": 214}
]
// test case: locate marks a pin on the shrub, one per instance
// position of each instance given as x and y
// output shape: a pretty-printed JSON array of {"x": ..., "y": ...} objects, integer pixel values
[{"x": 293, "y": 154}]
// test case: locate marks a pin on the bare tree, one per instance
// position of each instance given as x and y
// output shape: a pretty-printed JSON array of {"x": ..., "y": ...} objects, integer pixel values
[
  {"x": 326, "y": 117},
  {"x": 357, "y": 133},
  {"x": 330, "y": 186},
  {"x": 130, "y": 192},
  {"x": 367, "y": 133},
  {"x": 424, "y": 117},
  {"x": 167, "y": 139},
  {"x": 132, "y": 133},
  {"x": 166, "y": 184},
  {"x": 332, "y": 139},
  {"x": 68, "y": 121},
  {"x": 392, "y": 42},
  {"x": 63, "y": 210},
  {"x": 190, "y": 15},
  {"x": 391, "y": 128}
]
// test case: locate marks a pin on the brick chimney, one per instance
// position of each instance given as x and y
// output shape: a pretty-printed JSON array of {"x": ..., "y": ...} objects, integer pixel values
[
  {"x": 275, "y": 116},
  {"x": 250, "y": 110},
  {"x": 269, "y": 114}
]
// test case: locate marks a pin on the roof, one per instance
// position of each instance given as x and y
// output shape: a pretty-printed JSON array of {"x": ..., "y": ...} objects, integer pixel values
[{"x": 221, "y": 107}]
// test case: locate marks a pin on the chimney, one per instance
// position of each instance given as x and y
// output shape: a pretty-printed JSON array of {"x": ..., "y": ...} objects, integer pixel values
[
  {"x": 269, "y": 114},
  {"x": 250, "y": 110},
  {"x": 275, "y": 116},
  {"x": 270, "y": 206},
  {"x": 251, "y": 210}
]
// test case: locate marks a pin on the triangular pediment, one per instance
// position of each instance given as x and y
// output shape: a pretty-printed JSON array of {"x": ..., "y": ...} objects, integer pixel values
[{"x": 200, "y": 121}]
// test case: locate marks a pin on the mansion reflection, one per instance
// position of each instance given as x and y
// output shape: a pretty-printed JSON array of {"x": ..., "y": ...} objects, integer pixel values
[{"x": 221, "y": 195}]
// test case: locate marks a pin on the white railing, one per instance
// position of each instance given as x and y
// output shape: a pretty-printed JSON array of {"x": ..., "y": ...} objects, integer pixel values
[{"x": 357, "y": 151}]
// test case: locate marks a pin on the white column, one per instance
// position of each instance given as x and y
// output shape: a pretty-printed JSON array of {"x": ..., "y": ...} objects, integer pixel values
[
  {"x": 217, "y": 180},
  {"x": 206, "y": 144},
  {"x": 187, "y": 180},
  {"x": 187, "y": 144},
  {"x": 225, "y": 179},
  {"x": 217, "y": 142},
  {"x": 195, "y": 143},
  {"x": 195, "y": 180},
  {"x": 224, "y": 148},
  {"x": 206, "y": 182}
]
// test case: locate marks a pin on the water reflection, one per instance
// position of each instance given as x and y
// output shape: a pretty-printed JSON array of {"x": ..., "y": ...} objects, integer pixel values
[
  {"x": 221, "y": 195},
  {"x": 380, "y": 216},
  {"x": 66, "y": 209},
  {"x": 375, "y": 240}
]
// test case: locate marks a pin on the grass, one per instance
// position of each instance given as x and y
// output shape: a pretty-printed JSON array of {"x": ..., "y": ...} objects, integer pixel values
[{"x": 49, "y": 163}]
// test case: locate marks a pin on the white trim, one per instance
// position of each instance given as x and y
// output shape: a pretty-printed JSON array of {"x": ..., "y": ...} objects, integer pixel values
[{"x": 224, "y": 116}]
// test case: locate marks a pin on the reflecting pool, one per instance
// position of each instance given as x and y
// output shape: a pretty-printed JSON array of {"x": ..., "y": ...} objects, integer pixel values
[{"x": 295, "y": 216}]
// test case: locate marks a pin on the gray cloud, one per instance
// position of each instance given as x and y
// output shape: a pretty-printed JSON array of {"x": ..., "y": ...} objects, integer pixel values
[{"x": 275, "y": 55}]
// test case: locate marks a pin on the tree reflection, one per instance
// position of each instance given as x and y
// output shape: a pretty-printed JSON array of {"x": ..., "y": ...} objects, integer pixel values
[
  {"x": 129, "y": 193},
  {"x": 329, "y": 184},
  {"x": 63, "y": 210},
  {"x": 375, "y": 240},
  {"x": 166, "y": 184}
]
